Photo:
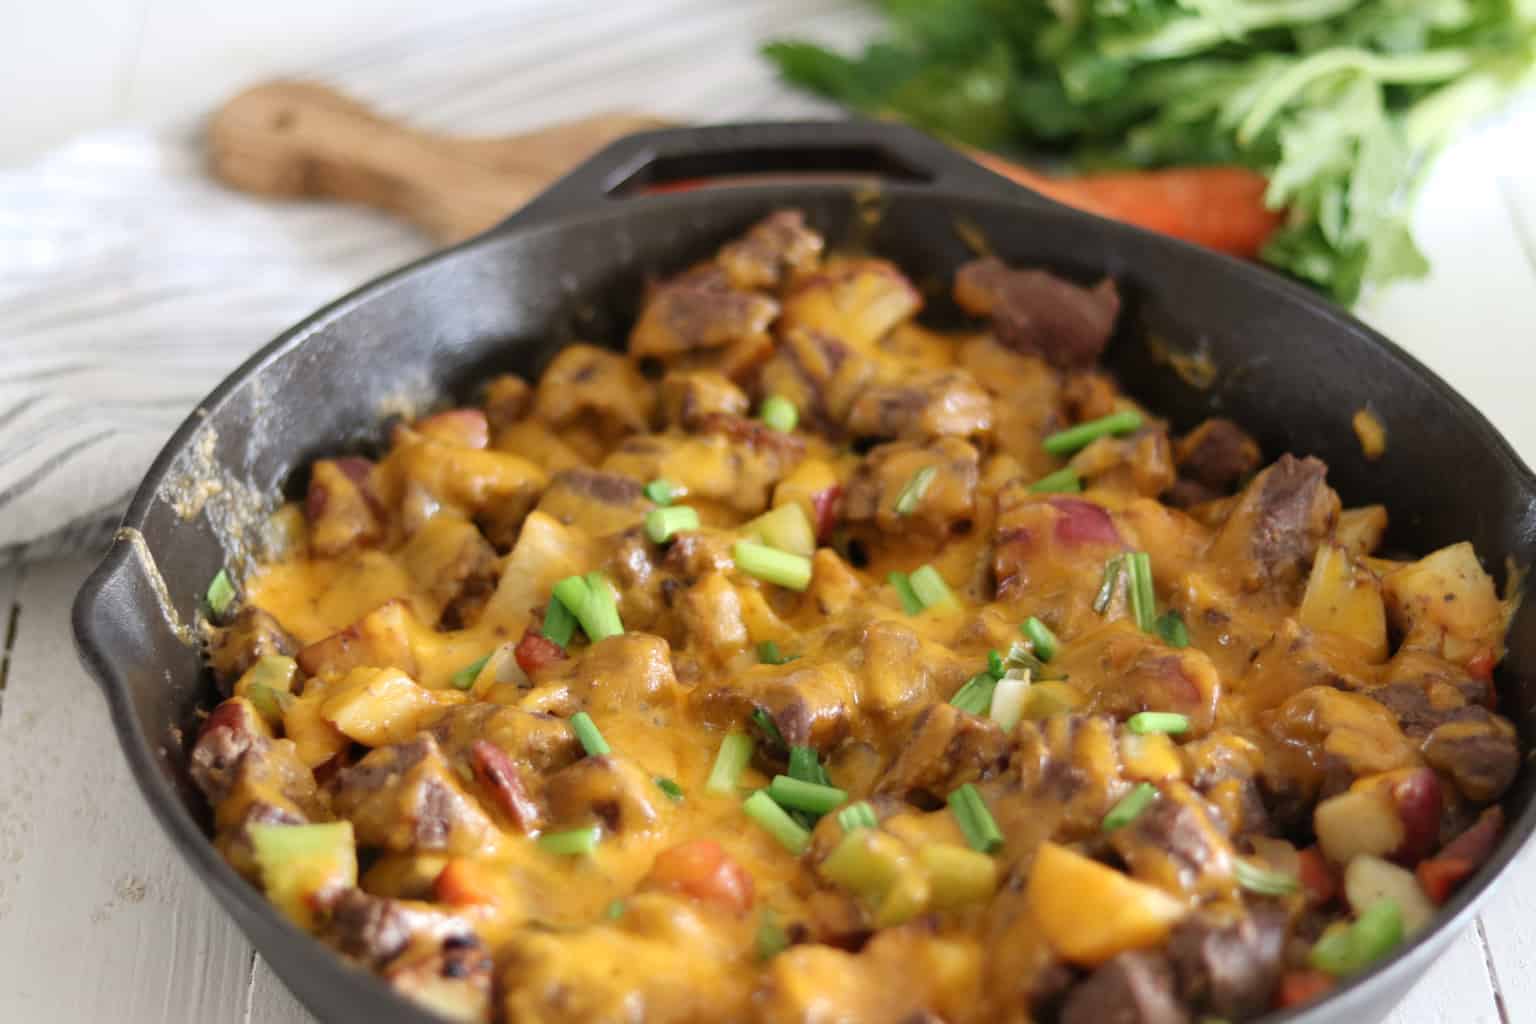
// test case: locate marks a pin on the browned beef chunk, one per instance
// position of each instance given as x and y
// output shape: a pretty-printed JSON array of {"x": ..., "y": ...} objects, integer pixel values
[
  {"x": 1218, "y": 454},
  {"x": 499, "y": 776},
  {"x": 687, "y": 396},
  {"x": 232, "y": 731},
  {"x": 407, "y": 798},
  {"x": 929, "y": 404},
  {"x": 947, "y": 504},
  {"x": 1478, "y": 750},
  {"x": 699, "y": 309},
  {"x": 1230, "y": 968},
  {"x": 1178, "y": 845},
  {"x": 1224, "y": 767},
  {"x": 374, "y": 930},
  {"x": 777, "y": 249},
  {"x": 610, "y": 790},
  {"x": 600, "y": 503},
  {"x": 1278, "y": 522},
  {"x": 450, "y": 559},
  {"x": 540, "y": 742},
  {"x": 812, "y": 368},
  {"x": 1038, "y": 313},
  {"x": 1133, "y": 988},
  {"x": 593, "y": 388},
  {"x": 453, "y": 978},
  {"x": 1072, "y": 761},
  {"x": 1187, "y": 494},
  {"x": 946, "y": 748},
  {"x": 253, "y": 635}
]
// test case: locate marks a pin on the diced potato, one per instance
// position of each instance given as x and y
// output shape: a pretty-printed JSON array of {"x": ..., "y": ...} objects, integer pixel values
[
  {"x": 470, "y": 477},
  {"x": 1051, "y": 697},
  {"x": 1446, "y": 603},
  {"x": 785, "y": 527},
  {"x": 300, "y": 861},
  {"x": 547, "y": 551},
  {"x": 1369, "y": 879},
  {"x": 1150, "y": 758},
  {"x": 378, "y": 706},
  {"x": 316, "y": 738},
  {"x": 536, "y": 440},
  {"x": 1360, "y": 821},
  {"x": 1344, "y": 598},
  {"x": 1359, "y": 530},
  {"x": 1090, "y": 913},
  {"x": 382, "y": 638},
  {"x": 808, "y": 479}
]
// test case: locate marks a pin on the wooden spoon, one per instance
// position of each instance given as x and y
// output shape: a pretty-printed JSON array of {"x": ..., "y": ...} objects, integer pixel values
[{"x": 298, "y": 139}]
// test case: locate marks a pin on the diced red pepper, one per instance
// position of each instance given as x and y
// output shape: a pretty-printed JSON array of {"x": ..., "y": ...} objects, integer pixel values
[
  {"x": 702, "y": 869},
  {"x": 1317, "y": 877},
  {"x": 1299, "y": 987},
  {"x": 535, "y": 651},
  {"x": 827, "y": 504},
  {"x": 1442, "y": 873}
]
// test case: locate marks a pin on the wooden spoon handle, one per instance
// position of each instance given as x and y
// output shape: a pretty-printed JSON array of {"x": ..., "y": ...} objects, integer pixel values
[{"x": 299, "y": 139}]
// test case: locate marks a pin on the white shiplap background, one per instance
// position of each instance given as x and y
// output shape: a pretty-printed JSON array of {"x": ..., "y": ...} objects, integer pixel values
[{"x": 98, "y": 918}]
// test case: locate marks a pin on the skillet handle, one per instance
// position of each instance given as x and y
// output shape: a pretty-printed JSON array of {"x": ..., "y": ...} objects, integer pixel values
[{"x": 878, "y": 149}]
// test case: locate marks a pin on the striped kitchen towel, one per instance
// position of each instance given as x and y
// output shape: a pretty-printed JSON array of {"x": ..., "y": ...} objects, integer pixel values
[{"x": 130, "y": 282}]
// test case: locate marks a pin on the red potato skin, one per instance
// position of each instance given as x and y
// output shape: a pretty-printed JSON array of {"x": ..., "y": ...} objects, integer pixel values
[
  {"x": 498, "y": 774},
  {"x": 1419, "y": 802},
  {"x": 703, "y": 870},
  {"x": 1299, "y": 987},
  {"x": 827, "y": 505},
  {"x": 1317, "y": 877},
  {"x": 1082, "y": 522},
  {"x": 536, "y": 651}
]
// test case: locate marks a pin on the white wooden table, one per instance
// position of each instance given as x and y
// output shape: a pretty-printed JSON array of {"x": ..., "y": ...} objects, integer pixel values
[{"x": 100, "y": 920}]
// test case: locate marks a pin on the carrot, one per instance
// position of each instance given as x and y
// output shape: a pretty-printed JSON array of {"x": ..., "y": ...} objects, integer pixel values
[
  {"x": 464, "y": 883},
  {"x": 1298, "y": 987},
  {"x": 702, "y": 869},
  {"x": 1442, "y": 873},
  {"x": 1218, "y": 207}
]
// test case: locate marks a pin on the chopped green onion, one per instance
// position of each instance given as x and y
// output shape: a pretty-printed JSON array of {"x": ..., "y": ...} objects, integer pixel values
[
  {"x": 779, "y": 413},
  {"x": 1008, "y": 700},
  {"x": 1262, "y": 880},
  {"x": 976, "y": 822},
  {"x": 465, "y": 677},
  {"x": 1021, "y": 658},
  {"x": 761, "y": 808},
  {"x": 912, "y": 492},
  {"x": 1130, "y": 807},
  {"x": 903, "y": 587},
  {"x": 995, "y": 666},
  {"x": 1350, "y": 950},
  {"x": 673, "y": 790},
  {"x": 1112, "y": 572},
  {"x": 559, "y": 623},
  {"x": 1041, "y": 639},
  {"x": 590, "y": 599},
  {"x": 572, "y": 842},
  {"x": 661, "y": 491},
  {"x": 768, "y": 653},
  {"x": 771, "y": 565},
  {"x": 662, "y": 524},
  {"x": 1170, "y": 626},
  {"x": 931, "y": 589},
  {"x": 1143, "y": 599},
  {"x": 614, "y": 910},
  {"x": 771, "y": 939},
  {"x": 805, "y": 765},
  {"x": 1170, "y": 722},
  {"x": 805, "y": 796},
  {"x": 976, "y": 695},
  {"x": 1063, "y": 481},
  {"x": 221, "y": 594},
  {"x": 730, "y": 762},
  {"x": 856, "y": 816},
  {"x": 586, "y": 731},
  {"x": 1065, "y": 442},
  {"x": 605, "y": 611},
  {"x": 769, "y": 728}
]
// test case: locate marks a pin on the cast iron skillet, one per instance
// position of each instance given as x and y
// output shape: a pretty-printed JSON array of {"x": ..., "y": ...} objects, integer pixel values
[{"x": 1288, "y": 365}]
